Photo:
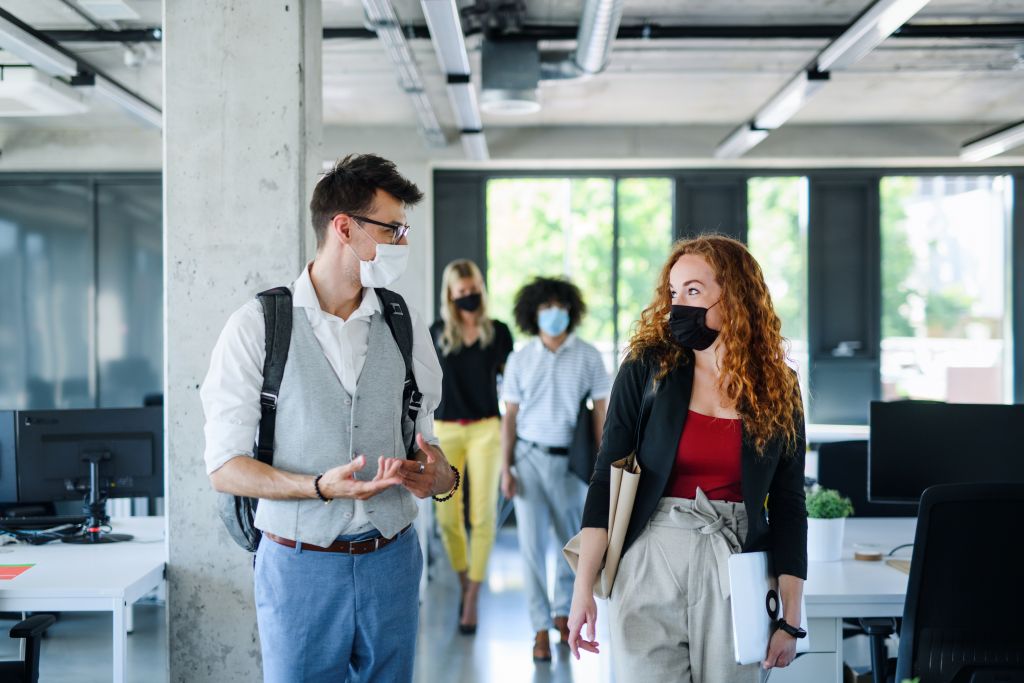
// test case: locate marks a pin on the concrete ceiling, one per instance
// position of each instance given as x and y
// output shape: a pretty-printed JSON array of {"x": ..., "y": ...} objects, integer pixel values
[{"x": 648, "y": 83}]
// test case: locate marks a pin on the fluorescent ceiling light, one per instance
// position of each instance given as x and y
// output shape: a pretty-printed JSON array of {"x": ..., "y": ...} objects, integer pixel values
[
  {"x": 510, "y": 102},
  {"x": 41, "y": 55},
  {"x": 474, "y": 144},
  {"x": 740, "y": 141},
  {"x": 446, "y": 33},
  {"x": 871, "y": 28},
  {"x": 467, "y": 112},
  {"x": 27, "y": 92},
  {"x": 993, "y": 143},
  {"x": 789, "y": 100},
  {"x": 128, "y": 101}
]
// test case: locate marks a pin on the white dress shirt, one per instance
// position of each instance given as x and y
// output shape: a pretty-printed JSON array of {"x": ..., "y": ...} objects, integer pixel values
[{"x": 231, "y": 390}]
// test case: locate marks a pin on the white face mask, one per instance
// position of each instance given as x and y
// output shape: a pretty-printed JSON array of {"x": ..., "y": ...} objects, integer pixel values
[{"x": 386, "y": 267}]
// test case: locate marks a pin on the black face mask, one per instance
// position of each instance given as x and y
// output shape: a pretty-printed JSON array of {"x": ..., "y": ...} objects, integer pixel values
[
  {"x": 468, "y": 303},
  {"x": 689, "y": 327}
]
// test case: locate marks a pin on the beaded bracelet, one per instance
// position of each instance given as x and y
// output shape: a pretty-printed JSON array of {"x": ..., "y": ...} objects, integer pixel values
[
  {"x": 316, "y": 485},
  {"x": 455, "y": 488}
]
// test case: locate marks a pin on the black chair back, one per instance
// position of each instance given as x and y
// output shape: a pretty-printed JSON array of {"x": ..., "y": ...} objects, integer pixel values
[
  {"x": 963, "y": 619},
  {"x": 843, "y": 465}
]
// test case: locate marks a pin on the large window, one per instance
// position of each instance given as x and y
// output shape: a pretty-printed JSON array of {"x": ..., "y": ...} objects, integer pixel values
[
  {"x": 944, "y": 288},
  {"x": 567, "y": 227},
  {"x": 777, "y": 237}
]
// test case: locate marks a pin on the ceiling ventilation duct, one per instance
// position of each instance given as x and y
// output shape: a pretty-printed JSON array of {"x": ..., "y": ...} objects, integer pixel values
[
  {"x": 509, "y": 76},
  {"x": 512, "y": 69}
]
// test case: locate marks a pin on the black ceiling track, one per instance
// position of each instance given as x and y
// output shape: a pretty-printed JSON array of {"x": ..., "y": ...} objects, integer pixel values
[{"x": 1012, "y": 31}]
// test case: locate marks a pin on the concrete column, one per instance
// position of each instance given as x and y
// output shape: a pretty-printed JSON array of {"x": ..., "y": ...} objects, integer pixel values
[{"x": 242, "y": 129}]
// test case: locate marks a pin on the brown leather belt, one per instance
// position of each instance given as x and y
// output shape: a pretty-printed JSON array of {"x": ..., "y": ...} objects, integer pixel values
[{"x": 348, "y": 547}]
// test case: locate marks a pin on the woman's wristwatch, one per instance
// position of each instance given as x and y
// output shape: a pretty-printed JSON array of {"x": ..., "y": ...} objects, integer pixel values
[{"x": 794, "y": 631}]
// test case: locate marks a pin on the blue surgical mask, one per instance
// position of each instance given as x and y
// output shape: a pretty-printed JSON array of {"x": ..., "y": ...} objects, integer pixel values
[{"x": 553, "y": 321}]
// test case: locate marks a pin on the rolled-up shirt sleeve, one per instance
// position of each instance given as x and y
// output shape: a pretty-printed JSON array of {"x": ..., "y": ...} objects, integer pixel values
[
  {"x": 427, "y": 370},
  {"x": 231, "y": 391}
]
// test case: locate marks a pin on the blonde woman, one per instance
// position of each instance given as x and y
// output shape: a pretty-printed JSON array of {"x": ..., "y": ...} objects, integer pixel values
[
  {"x": 472, "y": 349},
  {"x": 724, "y": 435}
]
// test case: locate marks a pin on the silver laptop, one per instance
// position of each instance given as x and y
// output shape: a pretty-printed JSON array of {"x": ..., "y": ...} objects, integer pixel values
[{"x": 756, "y": 605}]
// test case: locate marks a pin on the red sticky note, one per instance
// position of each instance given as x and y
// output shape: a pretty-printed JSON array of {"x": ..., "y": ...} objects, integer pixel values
[{"x": 13, "y": 571}]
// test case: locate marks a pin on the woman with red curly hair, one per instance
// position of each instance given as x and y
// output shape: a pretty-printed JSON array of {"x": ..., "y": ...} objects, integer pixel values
[{"x": 722, "y": 460}]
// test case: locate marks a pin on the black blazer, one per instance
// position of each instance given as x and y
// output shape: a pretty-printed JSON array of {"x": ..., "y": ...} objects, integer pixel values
[{"x": 773, "y": 475}]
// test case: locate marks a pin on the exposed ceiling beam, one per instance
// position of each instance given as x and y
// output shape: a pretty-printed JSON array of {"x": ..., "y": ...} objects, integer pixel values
[
  {"x": 975, "y": 31},
  {"x": 874, "y": 25},
  {"x": 44, "y": 54}
]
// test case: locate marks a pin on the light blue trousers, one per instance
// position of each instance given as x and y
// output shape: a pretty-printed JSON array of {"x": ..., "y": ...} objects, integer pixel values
[
  {"x": 338, "y": 617},
  {"x": 548, "y": 496}
]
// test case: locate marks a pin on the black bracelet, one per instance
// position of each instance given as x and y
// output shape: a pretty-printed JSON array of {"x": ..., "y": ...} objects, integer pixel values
[
  {"x": 455, "y": 488},
  {"x": 316, "y": 485}
]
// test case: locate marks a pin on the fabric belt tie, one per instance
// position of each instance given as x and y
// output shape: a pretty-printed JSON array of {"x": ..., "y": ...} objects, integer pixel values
[{"x": 720, "y": 534}]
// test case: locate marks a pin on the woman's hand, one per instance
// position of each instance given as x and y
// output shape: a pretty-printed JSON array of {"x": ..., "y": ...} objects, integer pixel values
[
  {"x": 508, "y": 483},
  {"x": 583, "y": 611},
  {"x": 781, "y": 650}
]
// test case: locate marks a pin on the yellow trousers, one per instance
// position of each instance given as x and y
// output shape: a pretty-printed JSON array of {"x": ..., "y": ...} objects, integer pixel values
[{"x": 475, "y": 449}]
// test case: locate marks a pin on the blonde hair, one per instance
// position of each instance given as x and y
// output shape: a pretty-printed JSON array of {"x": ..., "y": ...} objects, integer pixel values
[{"x": 452, "y": 336}]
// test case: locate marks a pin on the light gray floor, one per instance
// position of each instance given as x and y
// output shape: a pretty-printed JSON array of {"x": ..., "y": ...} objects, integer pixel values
[{"x": 78, "y": 647}]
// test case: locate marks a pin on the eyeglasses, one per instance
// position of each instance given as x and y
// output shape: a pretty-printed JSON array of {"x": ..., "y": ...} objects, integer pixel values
[{"x": 398, "y": 230}]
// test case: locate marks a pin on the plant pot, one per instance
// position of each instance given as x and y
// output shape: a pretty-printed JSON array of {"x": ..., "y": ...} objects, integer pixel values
[{"x": 825, "y": 539}]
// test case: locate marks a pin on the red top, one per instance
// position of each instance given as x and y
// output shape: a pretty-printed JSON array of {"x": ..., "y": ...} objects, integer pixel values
[{"x": 708, "y": 456}]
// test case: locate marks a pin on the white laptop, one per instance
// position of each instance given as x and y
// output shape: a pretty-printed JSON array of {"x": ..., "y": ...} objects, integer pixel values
[{"x": 756, "y": 606}]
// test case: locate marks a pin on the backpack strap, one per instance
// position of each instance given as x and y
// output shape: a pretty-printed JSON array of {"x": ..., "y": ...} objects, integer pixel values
[
  {"x": 399, "y": 320},
  {"x": 277, "y": 320}
]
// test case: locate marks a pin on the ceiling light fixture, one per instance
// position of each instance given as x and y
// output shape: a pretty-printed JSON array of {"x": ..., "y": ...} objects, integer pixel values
[
  {"x": 872, "y": 27},
  {"x": 740, "y": 141},
  {"x": 993, "y": 143},
  {"x": 790, "y": 99}
]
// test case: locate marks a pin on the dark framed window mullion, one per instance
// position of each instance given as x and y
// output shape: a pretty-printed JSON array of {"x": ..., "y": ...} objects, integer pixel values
[{"x": 1016, "y": 243}]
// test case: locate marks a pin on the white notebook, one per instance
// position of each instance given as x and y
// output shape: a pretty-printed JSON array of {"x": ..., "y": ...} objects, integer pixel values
[{"x": 754, "y": 601}]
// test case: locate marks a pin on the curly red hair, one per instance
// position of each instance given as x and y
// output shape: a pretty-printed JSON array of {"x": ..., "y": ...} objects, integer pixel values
[{"x": 754, "y": 374}]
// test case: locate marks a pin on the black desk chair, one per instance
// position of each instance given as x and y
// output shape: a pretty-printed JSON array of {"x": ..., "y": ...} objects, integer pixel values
[
  {"x": 843, "y": 465},
  {"x": 963, "y": 621},
  {"x": 27, "y": 670}
]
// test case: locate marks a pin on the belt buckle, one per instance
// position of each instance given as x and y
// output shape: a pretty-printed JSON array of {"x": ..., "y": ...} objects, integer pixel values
[{"x": 376, "y": 543}]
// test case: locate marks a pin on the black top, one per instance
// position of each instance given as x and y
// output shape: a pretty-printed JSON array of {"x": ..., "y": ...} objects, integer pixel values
[
  {"x": 773, "y": 475},
  {"x": 469, "y": 390}
]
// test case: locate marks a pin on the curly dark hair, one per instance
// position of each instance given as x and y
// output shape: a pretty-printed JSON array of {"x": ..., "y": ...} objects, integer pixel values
[{"x": 543, "y": 290}]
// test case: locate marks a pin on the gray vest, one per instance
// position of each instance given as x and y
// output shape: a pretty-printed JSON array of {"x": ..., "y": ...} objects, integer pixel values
[{"x": 320, "y": 426}]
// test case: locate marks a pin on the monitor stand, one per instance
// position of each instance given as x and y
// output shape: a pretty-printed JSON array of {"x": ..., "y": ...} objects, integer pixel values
[{"x": 95, "y": 508}]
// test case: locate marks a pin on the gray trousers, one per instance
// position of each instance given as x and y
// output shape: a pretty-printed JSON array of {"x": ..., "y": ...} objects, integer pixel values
[
  {"x": 548, "y": 496},
  {"x": 670, "y": 617}
]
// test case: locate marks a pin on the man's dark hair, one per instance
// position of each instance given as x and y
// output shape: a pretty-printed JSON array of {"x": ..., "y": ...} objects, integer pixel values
[
  {"x": 349, "y": 187},
  {"x": 543, "y": 290}
]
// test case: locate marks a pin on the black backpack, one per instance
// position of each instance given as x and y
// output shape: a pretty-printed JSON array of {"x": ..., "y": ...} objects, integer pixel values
[{"x": 238, "y": 512}]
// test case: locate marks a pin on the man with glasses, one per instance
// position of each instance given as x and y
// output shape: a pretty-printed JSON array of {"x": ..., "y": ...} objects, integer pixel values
[{"x": 337, "y": 572}]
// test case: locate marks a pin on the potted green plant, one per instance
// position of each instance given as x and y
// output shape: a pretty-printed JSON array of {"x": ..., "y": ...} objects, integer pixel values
[{"x": 827, "y": 511}]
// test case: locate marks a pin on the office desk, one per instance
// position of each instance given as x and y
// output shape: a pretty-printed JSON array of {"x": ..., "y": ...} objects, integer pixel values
[
  {"x": 81, "y": 578},
  {"x": 850, "y": 588}
]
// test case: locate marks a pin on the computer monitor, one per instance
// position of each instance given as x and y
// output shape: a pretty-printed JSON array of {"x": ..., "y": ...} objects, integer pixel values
[
  {"x": 917, "y": 444},
  {"x": 82, "y": 454}
]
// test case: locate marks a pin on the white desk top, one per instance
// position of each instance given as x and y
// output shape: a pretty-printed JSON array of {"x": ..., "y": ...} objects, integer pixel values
[
  {"x": 854, "y": 588},
  {"x": 63, "y": 570},
  {"x": 822, "y": 433}
]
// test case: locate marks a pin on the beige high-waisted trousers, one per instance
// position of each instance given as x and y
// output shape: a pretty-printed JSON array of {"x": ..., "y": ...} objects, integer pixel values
[{"x": 669, "y": 610}]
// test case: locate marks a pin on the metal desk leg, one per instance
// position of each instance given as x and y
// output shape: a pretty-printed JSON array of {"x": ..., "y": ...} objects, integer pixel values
[
  {"x": 129, "y": 619},
  {"x": 120, "y": 641}
]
